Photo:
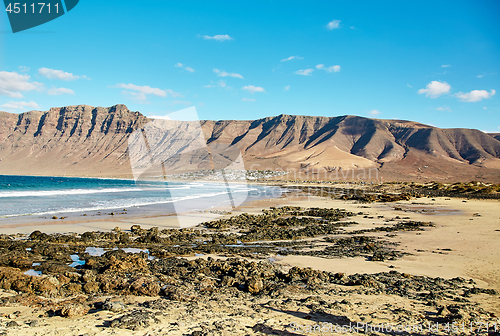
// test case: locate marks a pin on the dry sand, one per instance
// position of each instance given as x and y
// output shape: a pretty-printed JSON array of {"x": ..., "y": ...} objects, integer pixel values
[{"x": 462, "y": 243}]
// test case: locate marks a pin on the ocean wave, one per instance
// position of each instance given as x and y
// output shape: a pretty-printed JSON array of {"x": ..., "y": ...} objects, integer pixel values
[
  {"x": 128, "y": 203},
  {"x": 160, "y": 187},
  {"x": 43, "y": 193},
  {"x": 64, "y": 192}
]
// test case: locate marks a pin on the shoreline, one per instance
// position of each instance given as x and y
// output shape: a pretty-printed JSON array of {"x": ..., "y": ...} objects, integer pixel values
[
  {"x": 102, "y": 220},
  {"x": 133, "y": 209},
  {"x": 447, "y": 247},
  {"x": 441, "y": 211}
]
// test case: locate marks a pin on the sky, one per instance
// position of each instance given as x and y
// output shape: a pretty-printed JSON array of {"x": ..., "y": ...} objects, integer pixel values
[{"x": 435, "y": 62}]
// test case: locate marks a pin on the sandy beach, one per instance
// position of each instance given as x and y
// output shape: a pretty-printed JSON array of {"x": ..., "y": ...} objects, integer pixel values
[
  {"x": 240, "y": 168},
  {"x": 460, "y": 243}
]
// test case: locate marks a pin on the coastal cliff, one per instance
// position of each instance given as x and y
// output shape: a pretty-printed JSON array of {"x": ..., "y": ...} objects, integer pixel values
[{"x": 93, "y": 141}]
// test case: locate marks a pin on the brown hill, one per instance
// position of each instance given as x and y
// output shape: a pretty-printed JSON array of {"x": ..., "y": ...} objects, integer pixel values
[
  {"x": 87, "y": 141},
  {"x": 495, "y": 135}
]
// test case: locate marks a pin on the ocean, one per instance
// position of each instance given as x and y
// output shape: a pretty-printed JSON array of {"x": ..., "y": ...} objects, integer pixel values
[{"x": 41, "y": 197}]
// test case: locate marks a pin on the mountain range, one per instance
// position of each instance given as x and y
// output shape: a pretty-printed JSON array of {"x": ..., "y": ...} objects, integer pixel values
[{"x": 93, "y": 141}]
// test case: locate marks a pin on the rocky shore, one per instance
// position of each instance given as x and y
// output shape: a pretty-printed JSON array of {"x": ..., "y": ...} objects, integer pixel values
[
  {"x": 222, "y": 278},
  {"x": 391, "y": 192}
]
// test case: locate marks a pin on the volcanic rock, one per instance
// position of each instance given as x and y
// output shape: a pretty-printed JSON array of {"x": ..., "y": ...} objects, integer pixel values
[{"x": 74, "y": 309}]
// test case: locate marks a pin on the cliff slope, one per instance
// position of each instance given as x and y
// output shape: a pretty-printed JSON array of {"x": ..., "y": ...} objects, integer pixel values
[{"x": 93, "y": 141}]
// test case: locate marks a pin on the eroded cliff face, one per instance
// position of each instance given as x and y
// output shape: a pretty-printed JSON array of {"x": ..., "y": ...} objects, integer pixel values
[
  {"x": 93, "y": 141},
  {"x": 73, "y": 140},
  {"x": 350, "y": 142}
]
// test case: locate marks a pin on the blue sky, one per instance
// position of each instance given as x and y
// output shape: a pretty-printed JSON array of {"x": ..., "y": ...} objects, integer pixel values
[{"x": 433, "y": 62}]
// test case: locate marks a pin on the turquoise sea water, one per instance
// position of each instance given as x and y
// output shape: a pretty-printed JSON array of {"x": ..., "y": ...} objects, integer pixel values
[{"x": 38, "y": 196}]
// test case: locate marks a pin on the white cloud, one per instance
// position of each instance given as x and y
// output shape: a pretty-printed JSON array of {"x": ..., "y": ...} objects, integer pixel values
[
  {"x": 187, "y": 68},
  {"x": 485, "y": 108},
  {"x": 141, "y": 92},
  {"x": 12, "y": 84},
  {"x": 435, "y": 89},
  {"x": 286, "y": 88},
  {"x": 58, "y": 74},
  {"x": 445, "y": 65},
  {"x": 143, "y": 89},
  {"x": 23, "y": 68},
  {"x": 248, "y": 100},
  {"x": 291, "y": 58},
  {"x": 59, "y": 91},
  {"x": 444, "y": 108},
  {"x": 333, "y": 24},
  {"x": 480, "y": 76},
  {"x": 253, "y": 89},
  {"x": 220, "y": 38},
  {"x": 19, "y": 105},
  {"x": 172, "y": 93},
  {"x": 352, "y": 27},
  {"x": 305, "y": 72},
  {"x": 374, "y": 113},
  {"x": 333, "y": 68},
  {"x": 222, "y": 73},
  {"x": 408, "y": 85},
  {"x": 475, "y": 95}
]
